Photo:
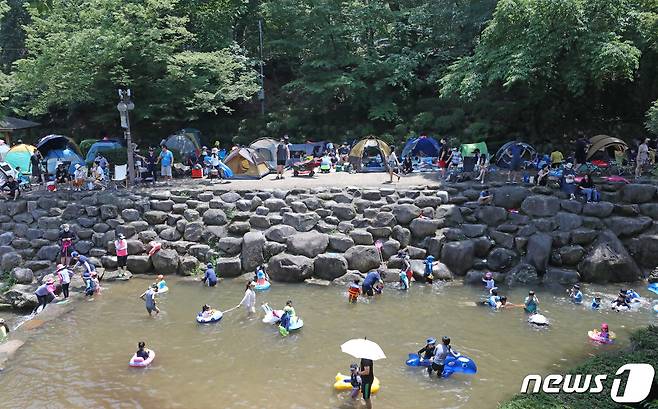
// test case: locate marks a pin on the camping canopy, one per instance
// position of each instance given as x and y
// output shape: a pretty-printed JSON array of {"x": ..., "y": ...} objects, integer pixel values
[
  {"x": 7, "y": 170},
  {"x": 246, "y": 163},
  {"x": 100, "y": 147},
  {"x": 308, "y": 148},
  {"x": 370, "y": 143},
  {"x": 503, "y": 158},
  {"x": 266, "y": 148},
  {"x": 424, "y": 146},
  {"x": 185, "y": 145},
  {"x": 59, "y": 148},
  {"x": 19, "y": 157},
  {"x": 600, "y": 143},
  {"x": 467, "y": 149},
  {"x": 4, "y": 148}
]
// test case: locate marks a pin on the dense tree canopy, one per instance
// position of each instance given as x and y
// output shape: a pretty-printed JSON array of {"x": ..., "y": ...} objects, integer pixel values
[{"x": 492, "y": 70}]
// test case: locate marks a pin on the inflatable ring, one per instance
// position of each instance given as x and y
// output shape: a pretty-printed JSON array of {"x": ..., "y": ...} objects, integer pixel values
[
  {"x": 595, "y": 335},
  {"x": 454, "y": 362},
  {"x": 216, "y": 316},
  {"x": 138, "y": 362},
  {"x": 262, "y": 287},
  {"x": 274, "y": 316},
  {"x": 163, "y": 290},
  {"x": 343, "y": 383}
]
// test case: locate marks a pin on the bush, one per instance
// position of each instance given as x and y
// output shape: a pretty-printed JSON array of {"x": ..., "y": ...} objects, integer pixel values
[{"x": 643, "y": 349}]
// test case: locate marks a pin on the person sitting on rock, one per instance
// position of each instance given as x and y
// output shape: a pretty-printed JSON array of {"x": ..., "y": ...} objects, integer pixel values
[{"x": 485, "y": 198}]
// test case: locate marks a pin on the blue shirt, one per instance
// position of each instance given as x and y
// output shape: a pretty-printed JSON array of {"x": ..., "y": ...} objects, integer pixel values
[
  {"x": 371, "y": 279},
  {"x": 86, "y": 263},
  {"x": 210, "y": 275},
  {"x": 515, "y": 150},
  {"x": 578, "y": 297},
  {"x": 428, "y": 267},
  {"x": 167, "y": 158}
]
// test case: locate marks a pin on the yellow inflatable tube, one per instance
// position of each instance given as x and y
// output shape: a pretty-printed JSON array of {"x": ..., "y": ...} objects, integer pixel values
[{"x": 343, "y": 383}]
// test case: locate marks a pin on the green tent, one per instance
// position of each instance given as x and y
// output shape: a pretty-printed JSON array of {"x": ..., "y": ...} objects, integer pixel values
[{"x": 467, "y": 149}]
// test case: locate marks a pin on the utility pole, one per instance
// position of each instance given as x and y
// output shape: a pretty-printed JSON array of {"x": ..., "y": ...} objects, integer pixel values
[
  {"x": 124, "y": 107},
  {"x": 261, "y": 93}
]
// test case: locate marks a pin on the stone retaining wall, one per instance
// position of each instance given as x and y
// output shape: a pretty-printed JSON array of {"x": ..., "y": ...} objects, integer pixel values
[{"x": 527, "y": 235}]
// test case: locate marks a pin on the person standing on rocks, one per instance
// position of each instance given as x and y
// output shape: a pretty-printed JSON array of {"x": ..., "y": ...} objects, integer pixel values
[
  {"x": 37, "y": 169},
  {"x": 282, "y": 156},
  {"x": 64, "y": 276},
  {"x": 167, "y": 159},
  {"x": 121, "y": 246},
  {"x": 45, "y": 294},
  {"x": 82, "y": 261},
  {"x": 66, "y": 237},
  {"x": 642, "y": 158}
]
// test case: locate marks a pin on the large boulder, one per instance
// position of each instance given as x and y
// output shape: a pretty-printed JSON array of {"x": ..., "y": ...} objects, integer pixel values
[
  {"x": 361, "y": 236},
  {"x": 343, "y": 211},
  {"x": 510, "y": 197},
  {"x": 165, "y": 261},
  {"x": 280, "y": 233},
  {"x": 229, "y": 267},
  {"x": 214, "y": 217},
  {"x": 402, "y": 235},
  {"x": 387, "y": 219},
  {"x": 598, "y": 209},
  {"x": 522, "y": 274},
  {"x": 541, "y": 206},
  {"x": 154, "y": 217},
  {"x": 139, "y": 264},
  {"x": 21, "y": 296},
  {"x": 628, "y": 226},
  {"x": 391, "y": 248},
  {"x": 230, "y": 245},
  {"x": 252, "y": 250},
  {"x": 645, "y": 250},
  {"x": 301, "y": 221},
  {"x": 22, "y": 275},
  {"x": 538, "y": 251},
  {"x": 308, "y": 244},
  {"x": 329, "y": 266},
  {"x": 422, "y": 227},
  {"x": 405, "y": 213},
  {"x": 340, "y": 243},
  {"x": 568, "y": 221},
  {"x": 650, "y": 209},
  {"x": 363, "y": 258},
  {"x": 561, "y": 276},
  {"x": 458, "y": 256},
  {"x": 637, "y": 193},
  {"x": 570, "y": 255},
  {"x": 607, "y": 260},
  {"x": 290, "y": 269},
  {"x": 49, "y": 252},
  {"x": 500, "y": 259},
  {"x": 491, "y": 215}
]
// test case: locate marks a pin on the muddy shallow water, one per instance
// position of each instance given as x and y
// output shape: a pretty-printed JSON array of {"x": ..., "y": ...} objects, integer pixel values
[{"x": 81, "y": 359}]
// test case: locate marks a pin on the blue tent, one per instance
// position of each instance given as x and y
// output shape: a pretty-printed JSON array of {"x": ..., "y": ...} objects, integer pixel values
[
  {"x": 424, "y": 146},
  {"x": 59, "y": 148},
  {"x": 100, "y": 147}
]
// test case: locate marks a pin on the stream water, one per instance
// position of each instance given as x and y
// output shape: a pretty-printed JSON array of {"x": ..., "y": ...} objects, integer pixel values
[{"x": 80, "y": 360}]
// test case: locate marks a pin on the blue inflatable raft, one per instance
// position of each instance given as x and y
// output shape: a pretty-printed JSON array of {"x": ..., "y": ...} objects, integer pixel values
[{"x": 455, "y": 362}]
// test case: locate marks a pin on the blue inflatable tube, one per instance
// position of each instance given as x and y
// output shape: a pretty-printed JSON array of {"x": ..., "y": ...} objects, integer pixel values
[
  {"x": 455, "y": 362},
  {"x": 653, "y": 287}
]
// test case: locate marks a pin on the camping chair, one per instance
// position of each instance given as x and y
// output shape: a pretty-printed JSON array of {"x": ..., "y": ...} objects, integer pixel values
[{"x": 120, "y": 178}]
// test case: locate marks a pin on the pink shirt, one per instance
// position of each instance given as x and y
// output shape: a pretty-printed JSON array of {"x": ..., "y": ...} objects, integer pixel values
[{"x": 122, "y": 247}]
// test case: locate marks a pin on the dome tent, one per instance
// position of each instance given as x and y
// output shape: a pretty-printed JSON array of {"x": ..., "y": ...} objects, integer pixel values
[
  {"x": 372, "y": 153},
  {"x": 101, "y": 147},
  {"x": 266, "y": 148},
  {"x": 601, "y": 143},
  {"x": 503, "y": 158},
  {"x": 467, "y": 149},
  {"x": 185, "y": 144},
  {"x": 423, "y": 146},
  {"x": 59, "y": 148},
  {"x": 246, "y": 163},
  {"x": 19, "y": 157}
]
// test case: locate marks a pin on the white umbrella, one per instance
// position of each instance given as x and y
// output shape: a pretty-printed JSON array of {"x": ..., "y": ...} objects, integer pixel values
[{"x": 363, "y": 348}]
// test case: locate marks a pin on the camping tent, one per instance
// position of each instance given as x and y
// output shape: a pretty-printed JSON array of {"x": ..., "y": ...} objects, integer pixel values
[
  {"x": 59, "y": 148},
  {"x": 19, "y": 157},
  {"x": 246, "y": 163},
  {"x": 503, "y": 158},
  {"x": 184, "y": 145},
  {"x": 100, "y": 147},
  {"x": 424, "y": 146},
  {"x": 266, "y": 148},
  {"x": 467, "y": 149},
  {"x": 85, "y": 145},
  {"x": 7, "y": 170},
  {"x": 300, "y": 150},
  {"x": 371, "y": 154},
  {"x": 600, "y": 143},
  {"x": 4, "y": 148}
]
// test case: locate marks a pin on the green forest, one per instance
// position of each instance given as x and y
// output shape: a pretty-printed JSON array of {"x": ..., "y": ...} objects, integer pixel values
[{"x": 534, "y": 70}]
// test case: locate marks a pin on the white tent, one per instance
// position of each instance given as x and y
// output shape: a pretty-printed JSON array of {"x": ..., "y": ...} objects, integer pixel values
[{"x": 266, "y": 148}]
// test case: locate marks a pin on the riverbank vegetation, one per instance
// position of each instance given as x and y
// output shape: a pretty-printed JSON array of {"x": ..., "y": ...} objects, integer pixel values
[
  {"x": 490, "y": 70},
  {"x": 643, "y": 349}
]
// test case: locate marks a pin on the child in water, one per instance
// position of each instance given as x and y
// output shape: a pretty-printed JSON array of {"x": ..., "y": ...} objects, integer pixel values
[
  {"x": 429, "y": 268},
  {"x": 206, "y": 311},
  {"x": 531, "y": 303},
  {"x": 489, "y": 283},
  {"x": 354, "y": 290},
  {"x": 379, "y": 288},
  {"x": 427, "y": 352},
  {"x": 404, "y": 281},
  {"x": 90, "y": 288},
  {"x": 97, "y": 282},
  {"x": 261, "y": 276},
  {"x": 605, "y": 333},
  {"x": 596, "y": 303},
  {"x": 575, "y": 294},
  {"x": 355, "y": 381},
  {"x": 286, "y": 318},
  {"x": 142, "y": 352},
  {"x": 161, "y": 282}
]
